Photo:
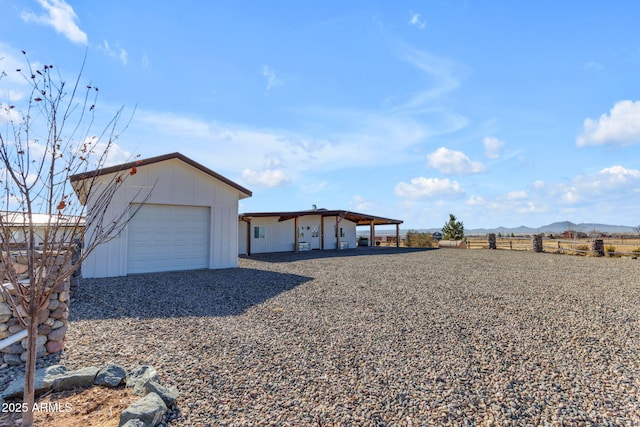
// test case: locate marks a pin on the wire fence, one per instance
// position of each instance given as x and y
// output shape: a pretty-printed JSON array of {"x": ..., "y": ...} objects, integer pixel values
[{"x": 618, "y": 246}]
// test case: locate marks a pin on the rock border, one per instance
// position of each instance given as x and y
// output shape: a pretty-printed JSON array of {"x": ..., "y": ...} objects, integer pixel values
[{"x": 146, "y": 411}]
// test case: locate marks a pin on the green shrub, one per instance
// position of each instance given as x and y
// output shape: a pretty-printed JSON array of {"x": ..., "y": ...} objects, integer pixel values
[
  {"x": 609, "y": 250},
  {"x": 416, "y": 239}
]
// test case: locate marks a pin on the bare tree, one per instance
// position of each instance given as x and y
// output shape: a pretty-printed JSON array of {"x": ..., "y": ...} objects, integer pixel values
[{"x": 42, "y": 144}]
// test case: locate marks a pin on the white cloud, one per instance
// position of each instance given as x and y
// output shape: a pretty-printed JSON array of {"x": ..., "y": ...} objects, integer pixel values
[
  {"x": 314, "y": 188},
  {"x": 443, "y": 77},
  {"x": 114, "y": 52},
  {"x": 59, "y": 15},
  {"x": 453, "y": 162},
  {"x": 620, "y": 174},
  {"x": 123, "y": 56},
  {"x": 361, "y": 204},
  {"x": 538, "y": 184},
  {"x": 10, "y": 115},
  {"x": 528, "y": 207},
  {"x": 117, "y": 155},
  {"x": 13, "y": 86},
  {"x": 476, "y": 201},
  {"x": 492, "y": 147},
  {"x": 95, "y": 149},
  {"x": 417, "y": 22},
  {"x": 516, "y": 195},
  {"x": 13, "y": 95},
  {"x": 343, "y": 135},
  {"x": 609, "y": 183},
  {"x": 571, "y": 196},
  {"x": 267, "y": 178},
  {"x": 272, "y": 80},
  {"x": 422, "y": 187},
  {"x": 360, "y": 136},
  {"x": 274, "y": 161},
  {"x": 620, "y": 127},
  {"x": 507, "y": 204}
]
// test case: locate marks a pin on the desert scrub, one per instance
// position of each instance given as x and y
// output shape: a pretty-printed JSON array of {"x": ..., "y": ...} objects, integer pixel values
[
  {"x": 610, "y": 250},
  {"x": 416, "y": 239},
  {"x": 582, "y": 249}
]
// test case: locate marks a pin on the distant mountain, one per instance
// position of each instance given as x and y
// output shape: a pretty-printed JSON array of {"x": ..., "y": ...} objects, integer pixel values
[
  {"x": 503, "y": 230},
  {"x": 556, "y": 227}
]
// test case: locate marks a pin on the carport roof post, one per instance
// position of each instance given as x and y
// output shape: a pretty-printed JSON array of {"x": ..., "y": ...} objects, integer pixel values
[{"x": 78, "y": 180}]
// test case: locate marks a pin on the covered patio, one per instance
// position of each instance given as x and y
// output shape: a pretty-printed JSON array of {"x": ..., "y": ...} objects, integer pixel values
[{"x": 324, "y": 239}]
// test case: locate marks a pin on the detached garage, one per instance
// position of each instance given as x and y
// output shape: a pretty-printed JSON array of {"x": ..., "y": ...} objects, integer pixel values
[{"x": 181, "y": 216}]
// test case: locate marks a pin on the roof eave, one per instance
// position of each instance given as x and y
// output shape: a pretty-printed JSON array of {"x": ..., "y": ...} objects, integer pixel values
[
  {"x": 243, "y": 192},
  {"x": 358, "y": 218}
]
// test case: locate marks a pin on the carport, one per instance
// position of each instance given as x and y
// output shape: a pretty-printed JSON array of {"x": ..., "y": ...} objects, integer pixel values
[{"x": 306, "y": 230}]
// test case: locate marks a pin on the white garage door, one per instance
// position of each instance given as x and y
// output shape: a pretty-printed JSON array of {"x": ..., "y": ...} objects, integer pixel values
[{"x": 168, "y": 238}]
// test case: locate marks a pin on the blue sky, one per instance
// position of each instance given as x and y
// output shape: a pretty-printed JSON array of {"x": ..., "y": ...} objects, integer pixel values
[{"x": 502, "y": 113}]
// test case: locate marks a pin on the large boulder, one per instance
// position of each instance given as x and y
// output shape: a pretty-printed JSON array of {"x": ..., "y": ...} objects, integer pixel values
[
  {"x": 150, "y": 410},
  {"x": 76, "y": 379},
  {"x": 111, "y": 375},
  {"x": 167, "y": 394},
  {"x": 44, "y": 379},
  {"x": 139, "y": 378}
]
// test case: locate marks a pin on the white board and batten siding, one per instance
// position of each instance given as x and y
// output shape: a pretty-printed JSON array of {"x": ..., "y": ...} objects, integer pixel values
[
  {"x": 279, "y": 236},
  {"x": 348, "y": 229},
  {"x": 188, "y": 222}
]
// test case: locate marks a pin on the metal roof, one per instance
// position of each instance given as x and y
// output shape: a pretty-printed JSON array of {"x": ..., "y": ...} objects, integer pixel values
[
  {"x": 141, "y": 163},
  {"x": 358, "y": 218},
  {"x": 20, "y": 219}
]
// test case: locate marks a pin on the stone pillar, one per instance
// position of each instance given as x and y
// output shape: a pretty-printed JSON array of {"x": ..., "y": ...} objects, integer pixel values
[
  {"x": 597, "y": 247},
  {"x": 536, "y": 243},
  {"x": 491, "y": 240},
  {"x": 52, "y": 322}
]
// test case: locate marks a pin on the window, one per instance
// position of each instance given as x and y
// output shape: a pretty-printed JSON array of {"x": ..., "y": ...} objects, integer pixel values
[
  {"x": 341, "y": 232},
  {"x": 258, "y": 232}
]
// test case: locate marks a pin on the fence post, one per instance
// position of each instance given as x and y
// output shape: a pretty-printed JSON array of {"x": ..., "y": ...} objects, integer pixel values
[
  {"x": 491, "y": 240},
  {"x": 536, "y": 243},
  {"x": 597, "y": 247}
]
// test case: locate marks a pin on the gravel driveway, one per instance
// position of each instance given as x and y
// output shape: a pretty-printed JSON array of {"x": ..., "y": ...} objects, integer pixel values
[{"x": 379, "y": 337}]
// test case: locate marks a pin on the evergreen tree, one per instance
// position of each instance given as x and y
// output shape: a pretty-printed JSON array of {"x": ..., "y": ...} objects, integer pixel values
[{"x": 454, "y": 229}]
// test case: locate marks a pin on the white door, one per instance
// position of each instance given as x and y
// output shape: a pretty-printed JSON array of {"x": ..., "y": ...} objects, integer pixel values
[
  {"x": 168, "y": 238},
  {"x": 315, "y": 236}
]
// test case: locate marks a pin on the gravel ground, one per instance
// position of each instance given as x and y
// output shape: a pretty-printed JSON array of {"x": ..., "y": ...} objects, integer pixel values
[{"x": 379, "y": 337}]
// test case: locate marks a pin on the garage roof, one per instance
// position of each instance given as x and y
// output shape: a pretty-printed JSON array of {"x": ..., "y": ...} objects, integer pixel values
[
  {"x": 140, "y": 163},
  {"x": 358, "y": 218}
]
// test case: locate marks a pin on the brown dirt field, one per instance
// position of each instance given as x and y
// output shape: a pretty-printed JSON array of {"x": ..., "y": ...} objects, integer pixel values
[{"x": 91, "y": 407}]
